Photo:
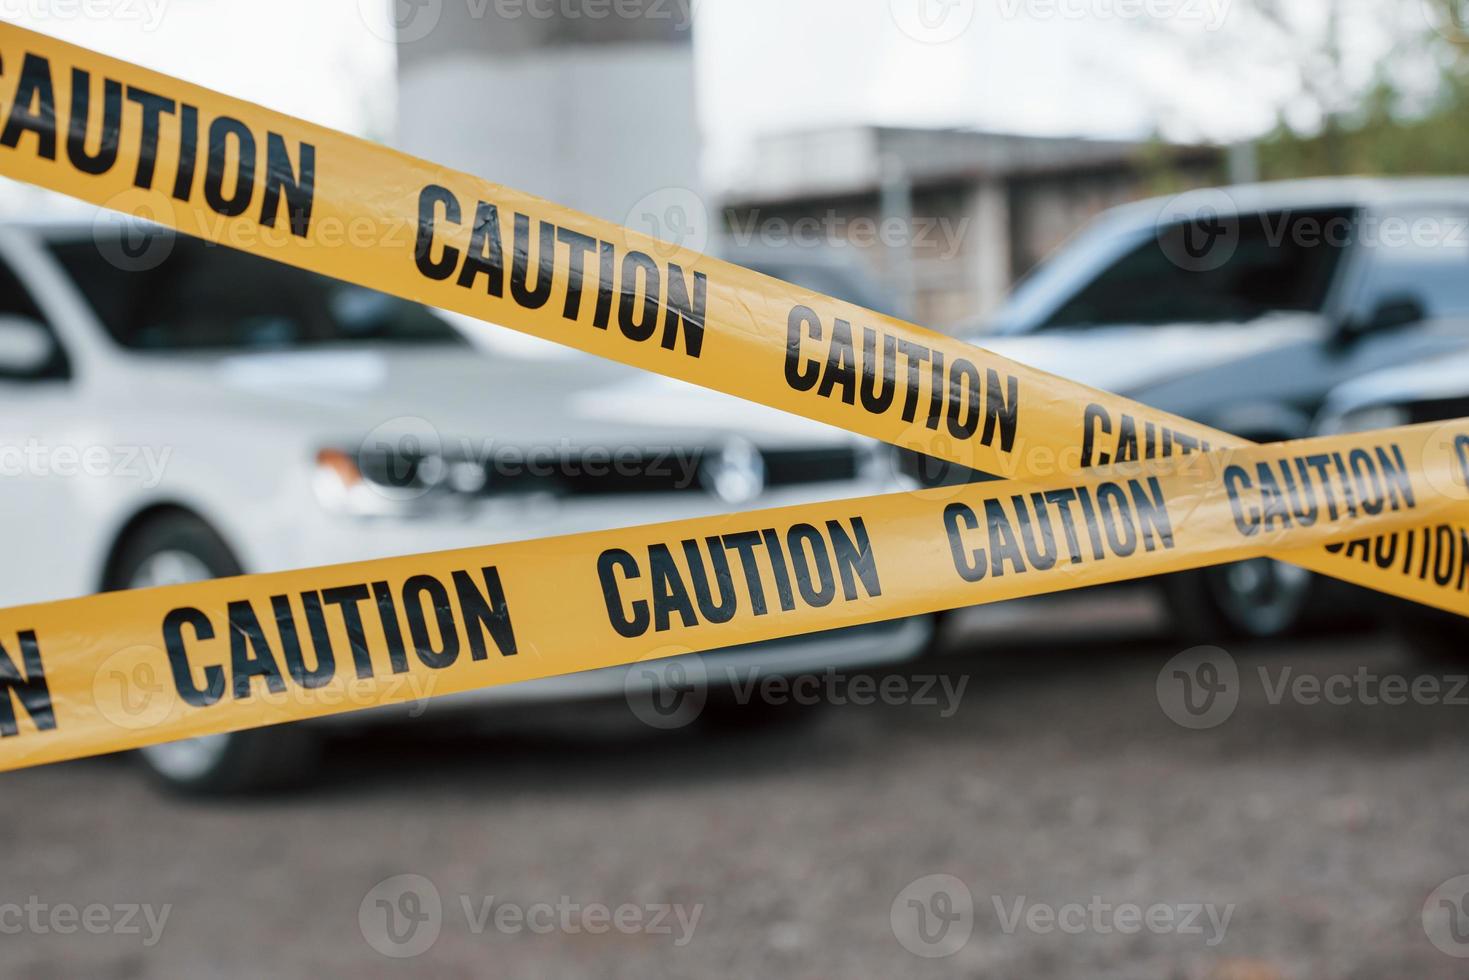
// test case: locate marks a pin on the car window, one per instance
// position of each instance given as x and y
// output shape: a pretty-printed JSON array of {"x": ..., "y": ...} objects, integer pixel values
[
  {"x": 16, "y": 301},
  {"x": 200, "y": 296},
  {"x": 1423, "y": 254},
  {"x": 1223, "y": 270},
  {"x": 840, "y": 283}
]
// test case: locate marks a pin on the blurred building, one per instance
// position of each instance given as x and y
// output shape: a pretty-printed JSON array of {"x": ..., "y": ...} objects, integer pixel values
[
  {"x": 949, "y": 219},
  {"x": 590, "y": 105}
]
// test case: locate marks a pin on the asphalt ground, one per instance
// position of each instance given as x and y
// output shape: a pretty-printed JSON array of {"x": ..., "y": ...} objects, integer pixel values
[{"x": 1053, "y": 819}]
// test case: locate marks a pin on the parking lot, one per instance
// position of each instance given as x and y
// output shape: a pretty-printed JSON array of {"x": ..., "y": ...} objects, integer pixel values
[{"x": 1293, "y": 839}]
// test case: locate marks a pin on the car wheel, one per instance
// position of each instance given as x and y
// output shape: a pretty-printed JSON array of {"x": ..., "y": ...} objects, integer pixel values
[
  {"x": 175, "y": 549},
  {"x": 1257, "y": 599}
]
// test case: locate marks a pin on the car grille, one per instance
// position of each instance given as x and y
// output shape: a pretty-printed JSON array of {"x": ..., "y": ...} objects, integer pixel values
[
  {"x": 1439, "y": 410},
  {"x": 581, "y": 473}
]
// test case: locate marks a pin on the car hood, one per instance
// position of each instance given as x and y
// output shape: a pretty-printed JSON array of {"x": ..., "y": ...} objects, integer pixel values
[
  {"x": 1127, "y": 359},
  {"x": 581, "y": 400},
  {"x": 1424, "y": 380}
]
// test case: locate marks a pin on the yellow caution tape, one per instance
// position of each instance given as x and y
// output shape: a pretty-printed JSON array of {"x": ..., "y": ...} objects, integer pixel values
[
  {"x": 127, "y": 669},
  {"x": 227, "y": 171}
]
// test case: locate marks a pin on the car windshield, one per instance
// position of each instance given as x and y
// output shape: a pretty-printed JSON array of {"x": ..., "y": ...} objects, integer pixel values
[
  {"x": 829, "y": 280},
  {"x": 184, "y": 294},
  {"x": 1231, "y": 271}
]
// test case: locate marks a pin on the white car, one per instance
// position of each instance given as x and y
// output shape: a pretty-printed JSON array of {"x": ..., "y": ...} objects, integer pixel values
[{"x": 172, "y": 410}]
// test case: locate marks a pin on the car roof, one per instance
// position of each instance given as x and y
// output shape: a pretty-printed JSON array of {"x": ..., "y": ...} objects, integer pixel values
[
  {"x": 1315, "y": 192},
  {"x": 67, "y": 218}
]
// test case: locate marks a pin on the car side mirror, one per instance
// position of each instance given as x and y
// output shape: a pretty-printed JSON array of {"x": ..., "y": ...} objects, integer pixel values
[
  {"x": 1392, "y": 311},
  {"x": 26, "y": 347}
]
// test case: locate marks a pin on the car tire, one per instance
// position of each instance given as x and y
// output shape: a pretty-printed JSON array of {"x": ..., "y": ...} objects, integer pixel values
[
  {"x": 1259, "y": 599},
  {"x": 176, "y": 547}
]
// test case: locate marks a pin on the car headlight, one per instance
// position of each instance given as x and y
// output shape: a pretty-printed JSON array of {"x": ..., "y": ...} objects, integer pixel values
[
  {"x": 394, "y": 485},
  {"x": 1364, "y": 419}
]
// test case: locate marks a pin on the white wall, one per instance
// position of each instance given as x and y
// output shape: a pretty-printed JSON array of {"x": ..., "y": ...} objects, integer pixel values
[{"x": 594, "y": 127}]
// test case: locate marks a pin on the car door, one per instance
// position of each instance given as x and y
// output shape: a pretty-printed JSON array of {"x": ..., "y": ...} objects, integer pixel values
[
  {"x": 41, "y": 460},
  {"x": 1409, "y": 256}
]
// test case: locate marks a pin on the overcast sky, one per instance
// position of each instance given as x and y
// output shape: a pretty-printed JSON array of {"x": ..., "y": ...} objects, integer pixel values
[{"x": 1034, "y": 66}]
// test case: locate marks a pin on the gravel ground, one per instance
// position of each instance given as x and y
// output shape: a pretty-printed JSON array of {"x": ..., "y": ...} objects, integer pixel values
[{"x": 1059, "y": 785}]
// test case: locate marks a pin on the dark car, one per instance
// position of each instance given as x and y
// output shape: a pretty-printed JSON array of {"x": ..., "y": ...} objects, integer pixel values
[
  {"x": 1242, "y": 308},
  {"x": 1431, "y": 391}
]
